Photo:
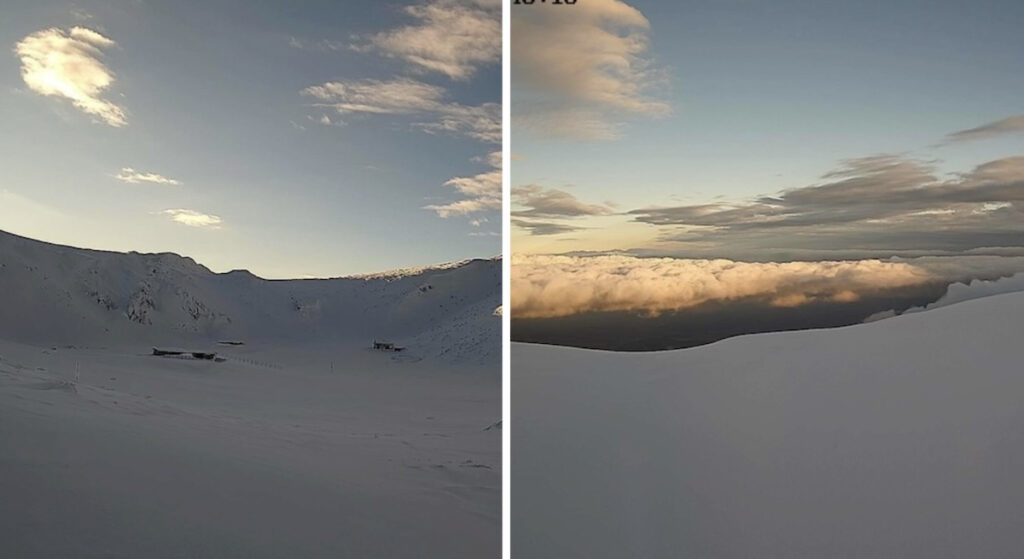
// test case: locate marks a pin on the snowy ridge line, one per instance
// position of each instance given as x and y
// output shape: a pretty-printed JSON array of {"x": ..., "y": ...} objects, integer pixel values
[
  {"x": 56, "y": 295},
  {"x": 8, "y": 237},
  {"x": 418, "y": 270}
]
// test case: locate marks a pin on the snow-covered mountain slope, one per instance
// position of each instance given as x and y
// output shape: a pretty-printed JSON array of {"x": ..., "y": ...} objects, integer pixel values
[
  {"x": 899, "y": 438},
  {"x": 64, "y": 295}
]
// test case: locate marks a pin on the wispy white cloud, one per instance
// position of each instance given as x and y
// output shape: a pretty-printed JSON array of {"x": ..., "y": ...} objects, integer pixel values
[
  {"x": 67, "y": 64},
  {"x": 129, "y": 175},
  {"x": 884, "y": 203},
  {"x": 552, "y": 202},
  {"x": 326, "y": 120},
  {"x": 399, "y": 96},
  {"x": 536, "y": 206},
  {"x": 1009, "y": 125},
  {"x": 480, "y": 122},
  {"x": 451, "y": 37},
  {"x": 324, "y": 45},
  {"x": 482, "y": 191},
  {"x": 193, "y": 218},
  {"x": 582, "y": 70},
  {"x": 403, "y": 96},
  {"x": 80, "y": 15},
  {"x": 541, "y": 228}
]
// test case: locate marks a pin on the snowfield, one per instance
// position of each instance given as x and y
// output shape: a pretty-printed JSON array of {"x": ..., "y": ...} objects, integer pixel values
[
  {"x": 899, "y": 438},
  {"x": 302, "y": 442}
]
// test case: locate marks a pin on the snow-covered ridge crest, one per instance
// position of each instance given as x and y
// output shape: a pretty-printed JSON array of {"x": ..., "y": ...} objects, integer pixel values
[
  {"x": 417, "y": 270},
  {"x": 60, "y": 294}
]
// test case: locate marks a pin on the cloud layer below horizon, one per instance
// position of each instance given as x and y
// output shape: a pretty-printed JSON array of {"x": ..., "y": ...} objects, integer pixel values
[
  {"x": 553, "y": 286},
  {"x": 405, "y": 96}
]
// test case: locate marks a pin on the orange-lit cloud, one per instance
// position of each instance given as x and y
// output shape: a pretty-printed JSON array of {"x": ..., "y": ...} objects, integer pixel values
[{"x": 550, "y": 286}]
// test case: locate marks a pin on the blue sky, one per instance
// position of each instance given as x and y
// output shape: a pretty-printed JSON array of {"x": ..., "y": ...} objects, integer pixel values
[
  {"x": 307, "y": 139},
  {"x": 727, "y": 102}
]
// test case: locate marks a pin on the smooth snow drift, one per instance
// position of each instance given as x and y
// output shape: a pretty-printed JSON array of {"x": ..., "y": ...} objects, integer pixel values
[
  {"x": 900, "y": 438},
  {"x": 300, "y": 442}
]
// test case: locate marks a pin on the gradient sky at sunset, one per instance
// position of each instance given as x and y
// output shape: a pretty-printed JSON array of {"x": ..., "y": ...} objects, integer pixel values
[{"x": 768, "y": 130}]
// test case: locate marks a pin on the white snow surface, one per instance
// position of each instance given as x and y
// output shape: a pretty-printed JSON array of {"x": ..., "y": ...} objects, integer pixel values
[
  {"x": 899, "y": 438},
  {"x": 301, "y": 443}
]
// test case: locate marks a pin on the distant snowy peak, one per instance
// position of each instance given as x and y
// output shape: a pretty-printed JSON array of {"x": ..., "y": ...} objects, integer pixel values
[{"x": 415, "y": 271}]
